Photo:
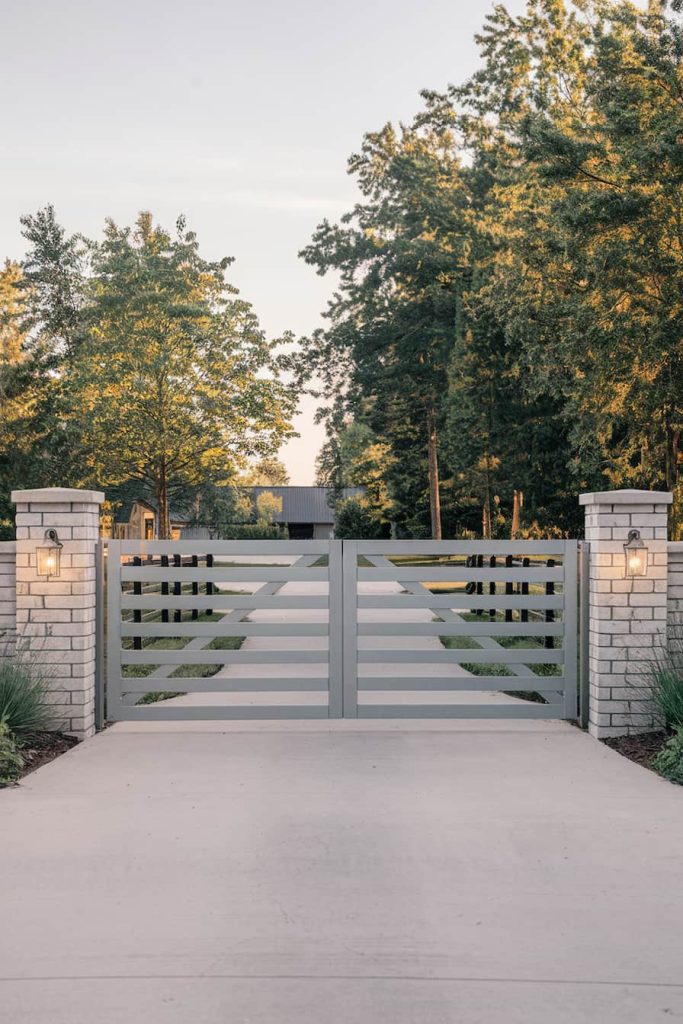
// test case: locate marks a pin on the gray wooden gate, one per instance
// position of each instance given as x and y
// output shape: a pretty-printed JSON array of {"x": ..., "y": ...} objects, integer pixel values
[{"x": 330, "y": 629}]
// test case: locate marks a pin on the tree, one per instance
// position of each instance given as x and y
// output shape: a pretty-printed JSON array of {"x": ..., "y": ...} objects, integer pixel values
[
  {"x": 268, "y": 507},
  {"x": 400, "y": 256},
  {"x": 267, "y": 472},
  {"x": 173, "y": 384},
  {"x": 354, "y": 520}
]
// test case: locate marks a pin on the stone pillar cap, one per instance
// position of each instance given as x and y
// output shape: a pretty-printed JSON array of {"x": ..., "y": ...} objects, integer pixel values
[
  {"x": 53, "y": 495},
  {"x": 627, "y": 497}
]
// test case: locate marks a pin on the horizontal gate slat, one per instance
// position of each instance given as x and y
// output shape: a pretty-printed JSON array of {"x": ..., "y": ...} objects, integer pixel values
[
  {"x": 219, "y": 628},
  {"x": 460, "y": 574},
  {"x": 241, "y": 548},
  {"x": 542, "y": 684},
  {"x": 524, "y": 710},
  {"x": 219, "y": 712},
  {"x": 205, "y": 657},
  {"x": 523, "y": 549},
  {"x": 462, "y": 600},
  {"x": 532, "y": 656},
  {"x": 228, "y": 684},
  {"x": 223, "y": 602},
  {"x": 460, "y": 629},
  {"x": 249, "y": 574}
]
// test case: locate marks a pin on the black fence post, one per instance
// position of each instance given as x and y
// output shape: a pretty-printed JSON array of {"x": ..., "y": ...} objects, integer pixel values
[
  {"x": 480, "y": 585},
  {"x": 137, "y": 612},
  {"x": 549, "y": 613},
  {"x": 492, "y": 586},
  {"x": 209, "y": 585},
  {"x": 164, "y": 588},
  {"x": 509, "y": 589},
  {"x": 177, "y": 589},
  {"x": 195, "y": 587},
  {"x": 525, "y": 592}
]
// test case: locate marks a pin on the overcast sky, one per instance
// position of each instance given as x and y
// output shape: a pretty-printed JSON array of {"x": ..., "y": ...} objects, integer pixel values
[{"x": 239, "y": 115}]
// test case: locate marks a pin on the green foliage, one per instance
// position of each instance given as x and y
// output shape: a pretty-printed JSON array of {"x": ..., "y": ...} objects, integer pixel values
[
  {"x": 669, "y": 761},
  {"x": 24, "y": 706},
  {"x": 510, "y": 284},
  {"x": 354, "y": 520},
  {"x": 11, "y": 761},
  {"x": 268, "y": 508},
  {"x": 131, "y": 359},
  {"x": 252, "y": 531},
  {"x": 666, "y": 684}
]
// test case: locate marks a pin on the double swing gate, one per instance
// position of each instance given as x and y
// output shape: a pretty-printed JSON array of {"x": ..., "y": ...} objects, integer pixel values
[{"x": 331, "y": 629}]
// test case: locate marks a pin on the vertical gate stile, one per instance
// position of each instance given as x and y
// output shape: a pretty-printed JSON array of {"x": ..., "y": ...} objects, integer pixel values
[
  {"x": 336, "y": 629},
  {"x": 100, "y": 616},
  {"x": 114, "y": 630},
  {"x": 350, "y": 649},
  {"x": 570, "y": 628}
]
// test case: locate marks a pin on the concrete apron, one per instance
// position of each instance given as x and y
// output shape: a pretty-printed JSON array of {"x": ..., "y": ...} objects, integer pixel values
[{"x": 341, "y": 873}]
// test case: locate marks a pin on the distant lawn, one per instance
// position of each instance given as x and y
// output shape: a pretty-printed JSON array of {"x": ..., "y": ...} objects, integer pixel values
[{"x": 513, "y": 643}]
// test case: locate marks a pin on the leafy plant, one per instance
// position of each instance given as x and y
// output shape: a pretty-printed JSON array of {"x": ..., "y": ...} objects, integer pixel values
[
  {"x": 666, "y": 682},
  {"x": 669, "y": 761},
  {"x": 11, "y": 761},
  {"x": 24, "y": 706}
]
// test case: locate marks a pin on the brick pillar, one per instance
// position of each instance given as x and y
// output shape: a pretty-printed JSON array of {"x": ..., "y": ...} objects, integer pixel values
[
  {"x": 627, "y": 614},
  {"x": 56, "y": 616}
]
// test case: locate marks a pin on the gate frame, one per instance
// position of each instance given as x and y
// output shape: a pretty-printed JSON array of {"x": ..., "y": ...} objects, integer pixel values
[{"x": 343, "y": 629}]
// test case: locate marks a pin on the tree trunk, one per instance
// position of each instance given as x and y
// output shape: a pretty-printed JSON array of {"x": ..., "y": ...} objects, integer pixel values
[
  {"x": 162, "y": 502},
  {"x": 434, "y": 497},
  {"x": 517, "y": 502}
]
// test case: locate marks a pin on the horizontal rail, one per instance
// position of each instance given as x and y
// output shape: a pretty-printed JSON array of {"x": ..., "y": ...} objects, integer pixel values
[
  {"x": 458, "y": 574},
  {"x": 541, "y": 684},
  {"x": 220, "y": 628},
  {"x": 525, "y": 709},
  {"x": 524, "y": 548},
  {"x": 512, "y": 629},
  {"x": 223, "y": 602},
  {"x": 222, "y": 547},
  {"x": 248, "y": 574},
  {"x": 207, "y": 657},
  {"x": 460, "y": 599},
  {"x": 220, "y": 712},
  {"x": 493, "y": 656},
  {"x": 228, "y": 684}
]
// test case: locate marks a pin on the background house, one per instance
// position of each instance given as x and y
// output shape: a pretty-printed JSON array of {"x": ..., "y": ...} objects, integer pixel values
[{"x": 306, "y": 515}]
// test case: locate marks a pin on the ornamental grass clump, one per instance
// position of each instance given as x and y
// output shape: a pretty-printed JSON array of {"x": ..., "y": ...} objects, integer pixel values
[
  {"x": 24, "y": 706},
  {"x": 666, "y": 682}
]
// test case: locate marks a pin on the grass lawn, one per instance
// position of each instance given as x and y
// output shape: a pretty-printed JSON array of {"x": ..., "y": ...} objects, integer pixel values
[{"x": 513, "y": 643}]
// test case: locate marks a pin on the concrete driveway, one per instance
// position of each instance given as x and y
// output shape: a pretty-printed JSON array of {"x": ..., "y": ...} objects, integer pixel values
[{"x": 341, "y": 873}]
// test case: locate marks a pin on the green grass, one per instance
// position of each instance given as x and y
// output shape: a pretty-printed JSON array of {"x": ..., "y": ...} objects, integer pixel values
[{"x": 512, "y": 643}]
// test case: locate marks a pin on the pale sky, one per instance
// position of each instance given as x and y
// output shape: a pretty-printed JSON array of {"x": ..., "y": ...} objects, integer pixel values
[{"x": 239, "y": 115}]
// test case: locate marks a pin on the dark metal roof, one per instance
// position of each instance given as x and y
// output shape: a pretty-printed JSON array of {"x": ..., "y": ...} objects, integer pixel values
[{"x": 305, "y": 504}]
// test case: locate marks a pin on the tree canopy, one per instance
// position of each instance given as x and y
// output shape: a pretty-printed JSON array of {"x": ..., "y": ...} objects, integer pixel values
[{"x": 508, "y": 316}]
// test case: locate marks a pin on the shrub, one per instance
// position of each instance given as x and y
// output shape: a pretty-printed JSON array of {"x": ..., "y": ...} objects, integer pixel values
[
  {"x": 11, "y": 761},
  {"x": 253, "y": 531},
  {"x": 354, "y": 520},
  {"x": 23, "y": 695},
  {"x": 666, "y": 681},
  {"x": 669, "y": 761}
]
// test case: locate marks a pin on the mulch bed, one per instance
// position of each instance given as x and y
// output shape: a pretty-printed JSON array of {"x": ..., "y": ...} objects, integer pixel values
[
  {"x": 41, "y": 747},
  {"x": 641, "y": 749}
]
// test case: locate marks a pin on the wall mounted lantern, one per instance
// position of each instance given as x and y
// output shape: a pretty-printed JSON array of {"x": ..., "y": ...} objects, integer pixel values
[
  {"x": 48, "y": 557},
  {"x": 636, "y": 555}
]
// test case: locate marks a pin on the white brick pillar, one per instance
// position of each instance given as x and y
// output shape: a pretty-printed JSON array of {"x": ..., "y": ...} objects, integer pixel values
[
  {"x": 56, "y": 616},
  {"x": 627, "y": 614}
]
